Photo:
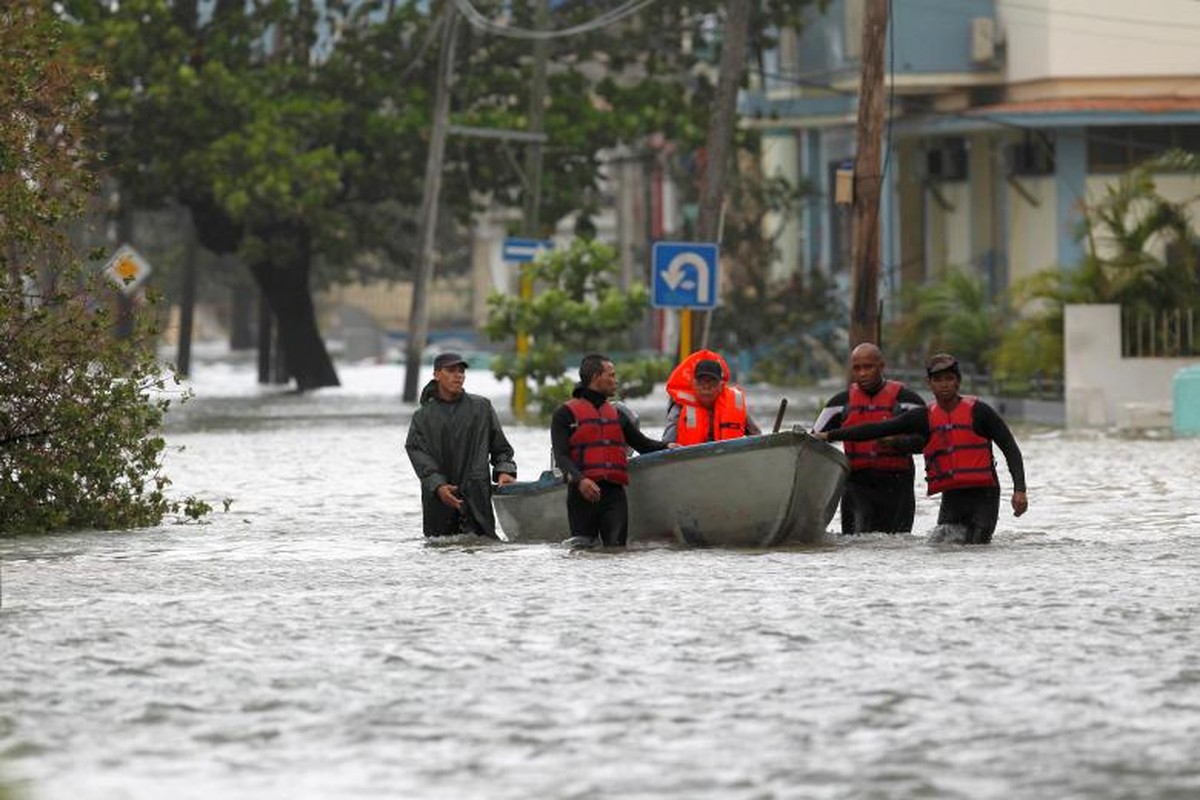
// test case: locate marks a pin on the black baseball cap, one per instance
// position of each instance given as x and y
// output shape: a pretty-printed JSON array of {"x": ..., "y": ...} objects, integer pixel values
[
  {"x": 709, "y": 368},
  {"x": 444, "y": 360}
]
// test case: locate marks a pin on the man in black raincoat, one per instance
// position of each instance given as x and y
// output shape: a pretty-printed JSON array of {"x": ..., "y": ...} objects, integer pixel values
[{"x": 452, "y": 440}]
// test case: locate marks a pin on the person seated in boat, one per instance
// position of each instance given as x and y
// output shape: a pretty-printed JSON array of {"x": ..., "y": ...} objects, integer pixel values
[
  {"x": 704, "y": 406},
  {"x": 958, "y": 432}
]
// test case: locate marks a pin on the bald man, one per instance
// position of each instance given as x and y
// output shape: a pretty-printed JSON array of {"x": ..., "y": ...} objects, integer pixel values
[{"x": 879, "y": 491}]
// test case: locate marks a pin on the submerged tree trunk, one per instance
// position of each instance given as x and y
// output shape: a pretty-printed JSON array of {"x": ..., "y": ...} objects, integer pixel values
[{"x": 286, "y": 288}]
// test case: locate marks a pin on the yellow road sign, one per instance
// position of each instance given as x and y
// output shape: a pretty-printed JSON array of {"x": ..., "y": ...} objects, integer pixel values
[{"x": 127, "y": 269}]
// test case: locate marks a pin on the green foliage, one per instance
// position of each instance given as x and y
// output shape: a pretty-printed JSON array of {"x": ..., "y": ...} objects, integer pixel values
[
  {"x": 576, "y": 307},
  {"x": 79, "y": 410},
  {"x": 1141, "y": 253},
  {"x": 952, "y": 314},
  {"x": 788, "y": 326}
]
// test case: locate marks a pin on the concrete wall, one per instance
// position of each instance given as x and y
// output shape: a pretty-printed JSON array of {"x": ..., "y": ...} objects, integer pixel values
[
  {"x": 1055, "y": 39},
  {"x": 1102, "y": 388}
]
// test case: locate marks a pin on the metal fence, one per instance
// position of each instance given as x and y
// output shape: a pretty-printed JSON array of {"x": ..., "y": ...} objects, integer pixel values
[{"x": 1168, "y": 333}]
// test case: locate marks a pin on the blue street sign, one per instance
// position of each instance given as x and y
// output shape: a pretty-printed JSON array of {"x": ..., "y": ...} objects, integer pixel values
[
  {"x": 520, "y": 251},
  {"x": 685, "y": 275}
]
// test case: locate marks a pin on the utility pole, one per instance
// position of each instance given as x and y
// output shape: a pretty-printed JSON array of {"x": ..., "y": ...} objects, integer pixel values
[
  {"x": 418, "y": 321},
  {"x": 719, "y": 142},
  {"x": 868, "y": 178},
  {"x": 531, "y": 220}
]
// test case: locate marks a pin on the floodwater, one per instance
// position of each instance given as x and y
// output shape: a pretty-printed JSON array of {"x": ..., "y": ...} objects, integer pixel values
[{"x": 309, "y": 643}]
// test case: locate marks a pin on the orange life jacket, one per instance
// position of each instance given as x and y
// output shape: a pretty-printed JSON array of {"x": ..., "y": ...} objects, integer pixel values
[
  {"x": 597, "y": 444},
  {"x": 728, "y": 417},
  {"x": 726, "y": 421},
  {"x": 862, "y": 408},
  {"x": 956, "y": 457}
]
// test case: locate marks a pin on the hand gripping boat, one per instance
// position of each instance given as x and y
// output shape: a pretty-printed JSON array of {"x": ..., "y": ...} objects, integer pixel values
[{"x": 757, "y": 491}]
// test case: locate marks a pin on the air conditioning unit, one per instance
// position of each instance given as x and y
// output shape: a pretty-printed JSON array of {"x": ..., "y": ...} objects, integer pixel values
[
  {"x": 947, "y": 161},
  {"x": 1030, "y": 157},
  {"x": 983, "y": 39}
]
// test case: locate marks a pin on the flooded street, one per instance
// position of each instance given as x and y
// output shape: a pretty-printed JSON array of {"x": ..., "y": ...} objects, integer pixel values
[{"x": 309, "y": 643}]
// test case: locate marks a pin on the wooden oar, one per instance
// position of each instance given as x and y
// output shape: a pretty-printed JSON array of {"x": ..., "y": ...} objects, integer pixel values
[{"x": 779, "y": 416}]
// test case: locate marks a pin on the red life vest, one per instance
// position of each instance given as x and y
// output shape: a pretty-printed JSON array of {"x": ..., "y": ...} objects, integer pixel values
[
  {"x": 862, "y": 408},
  {"x": 956, "y": 457},
  {"x": 726, "y": 421},
  {"x": 728, "y": 417},
  {"x": 597, "y": 444}
]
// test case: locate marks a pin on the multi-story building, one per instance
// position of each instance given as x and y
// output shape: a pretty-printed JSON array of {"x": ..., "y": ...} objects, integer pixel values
[{"x": 1005, "y": 116}]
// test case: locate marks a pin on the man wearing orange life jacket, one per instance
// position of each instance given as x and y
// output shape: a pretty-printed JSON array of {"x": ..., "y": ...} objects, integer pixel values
[
  {"x": 879, "y": 492},
  {"x": 958, "y": 433},
  {"x": 704, "y": 407},
  {"x": 588, "y": 435}
]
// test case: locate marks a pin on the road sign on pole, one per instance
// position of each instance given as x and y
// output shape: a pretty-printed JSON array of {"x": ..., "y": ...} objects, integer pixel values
[
  {"x": 127, "y": 269},
  {"x": 685, "y": 274},
  {"x": 521, "y": 251}
]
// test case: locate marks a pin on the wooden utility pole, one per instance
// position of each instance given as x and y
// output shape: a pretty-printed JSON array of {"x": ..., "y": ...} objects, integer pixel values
[
  {"x": 418, "y": 321},
  {"x": 533, "y": 186},
  {"x": 719, "y": 142},
  {"x": 868, "y": 178}
]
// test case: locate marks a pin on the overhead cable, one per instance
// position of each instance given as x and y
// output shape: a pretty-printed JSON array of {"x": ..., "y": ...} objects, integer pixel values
[{"x": 478, "y": 20}]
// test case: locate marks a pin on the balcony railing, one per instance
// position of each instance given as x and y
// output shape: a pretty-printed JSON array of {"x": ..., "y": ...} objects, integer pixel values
[{"x": 1169, "y": 333}]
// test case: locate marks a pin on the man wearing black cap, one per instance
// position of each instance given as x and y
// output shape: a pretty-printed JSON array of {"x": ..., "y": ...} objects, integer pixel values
[
  {"x": 589, "y": 435},
  {"x": 879, "y": 492},
  {"x": 704, "y": 406},
  {"x": 959, "y": 432},
  {"x": 452, "y": 439}
]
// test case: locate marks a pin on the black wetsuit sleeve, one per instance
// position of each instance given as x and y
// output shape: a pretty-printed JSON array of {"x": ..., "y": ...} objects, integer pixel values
[
  {"x": 987, "y": 423},
  {"x": 909, "y": 444},
  {"x": 635, "y": 438},
  {"x": 560, "y": 436},
  {"x": 908, "y": 399},
  {"x": 915, "y": 421}
]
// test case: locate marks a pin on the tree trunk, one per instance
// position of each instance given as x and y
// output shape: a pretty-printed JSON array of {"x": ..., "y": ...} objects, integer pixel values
[
  {"x": 287, "y": 291},
  {"x": 719, "y": 141}
]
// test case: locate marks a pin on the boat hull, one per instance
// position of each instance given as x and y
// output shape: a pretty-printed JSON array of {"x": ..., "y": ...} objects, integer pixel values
[{"x": 760, "y": 491}]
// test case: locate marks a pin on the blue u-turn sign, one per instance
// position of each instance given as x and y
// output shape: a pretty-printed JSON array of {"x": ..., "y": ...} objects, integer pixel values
[{"x": 685, "y": 274}]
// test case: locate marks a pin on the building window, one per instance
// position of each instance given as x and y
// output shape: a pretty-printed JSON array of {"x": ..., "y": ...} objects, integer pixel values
[
  {"x": 1120, "y": 148},
  {"x": 841, "y": 223}
]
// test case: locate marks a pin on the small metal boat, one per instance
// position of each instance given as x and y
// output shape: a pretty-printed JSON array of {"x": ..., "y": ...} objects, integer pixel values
[{"x": 757, "y": 491}]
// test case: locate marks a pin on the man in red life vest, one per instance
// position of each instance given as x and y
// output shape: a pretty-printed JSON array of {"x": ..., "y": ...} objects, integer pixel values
[
  {"x": 704, "y": 406},
  {"x": 959, "y": 432},
  {"x": 589, "y": 435},
  {"x": 879, "y": 491}
]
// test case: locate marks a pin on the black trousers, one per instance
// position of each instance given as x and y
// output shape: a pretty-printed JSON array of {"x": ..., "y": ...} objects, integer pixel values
[
  {"x": 975, "y": 510},
  {"x": 606, "y": 519},
  {"x": 878, "y": 501}
]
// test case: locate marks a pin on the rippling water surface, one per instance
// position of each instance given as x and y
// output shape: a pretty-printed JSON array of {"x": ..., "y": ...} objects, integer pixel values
[{"x": 309, "y": 643}]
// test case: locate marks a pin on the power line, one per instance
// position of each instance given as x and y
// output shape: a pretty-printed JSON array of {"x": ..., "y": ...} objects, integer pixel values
[{"x": 481, "y": 22}]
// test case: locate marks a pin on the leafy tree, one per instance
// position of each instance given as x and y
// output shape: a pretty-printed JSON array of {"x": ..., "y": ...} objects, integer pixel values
[
  {"x": 80, "y": 411},
  {"x": 952, "y": 313},
  {"x": 789, "y": 326},
  {"x": 577, "y": 307}
]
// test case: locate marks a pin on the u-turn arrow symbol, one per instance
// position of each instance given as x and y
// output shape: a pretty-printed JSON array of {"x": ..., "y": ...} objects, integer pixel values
[{"x": 673, "y": 275}]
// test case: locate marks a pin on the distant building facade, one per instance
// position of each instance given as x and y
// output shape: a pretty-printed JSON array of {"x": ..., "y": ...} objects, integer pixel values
[{"x": 1005, "y": 116}]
